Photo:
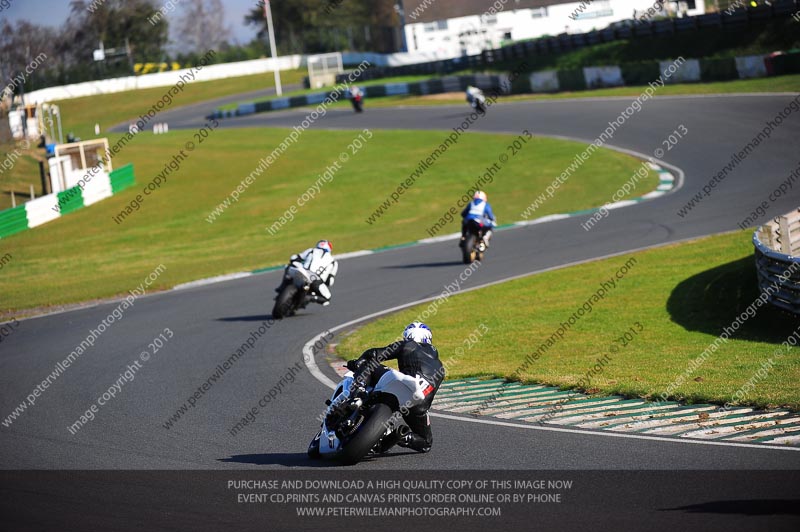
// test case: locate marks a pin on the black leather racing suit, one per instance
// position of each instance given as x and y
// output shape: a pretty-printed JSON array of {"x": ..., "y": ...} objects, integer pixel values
[{"x": 412, "y": 359}]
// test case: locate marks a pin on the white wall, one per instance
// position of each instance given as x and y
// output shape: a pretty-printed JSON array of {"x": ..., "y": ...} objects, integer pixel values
[{"x": 163, "y": 79}]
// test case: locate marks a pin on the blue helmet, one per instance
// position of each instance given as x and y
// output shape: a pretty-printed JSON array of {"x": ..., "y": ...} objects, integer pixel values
[{"x": 419, "y": 332}]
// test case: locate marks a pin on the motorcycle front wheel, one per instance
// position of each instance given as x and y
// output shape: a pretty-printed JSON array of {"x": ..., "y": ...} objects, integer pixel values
[
  {"x": 368, "y": 434},
  {"x": 285, "y": 302}
]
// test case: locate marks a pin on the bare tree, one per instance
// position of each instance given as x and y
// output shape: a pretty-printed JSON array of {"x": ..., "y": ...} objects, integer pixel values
[
  {"x": 114, "y": 22},
  {"x": 202, "y": 26}
]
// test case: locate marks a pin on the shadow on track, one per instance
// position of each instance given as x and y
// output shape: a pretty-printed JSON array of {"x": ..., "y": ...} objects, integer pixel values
[
  {"x": 749, "y": 507},
  {"x": 299, "y": 459},
  {"x": 263, "y": 317},
  {"x": 711, "y": 300},
  {"x": 424, "y": 265},
  {"x": 259, "y": 317},
  {"x": 284, "y": 459}
]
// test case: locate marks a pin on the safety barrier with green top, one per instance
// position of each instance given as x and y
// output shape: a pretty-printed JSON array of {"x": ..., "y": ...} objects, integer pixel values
[{"x": 47, "y": 208}]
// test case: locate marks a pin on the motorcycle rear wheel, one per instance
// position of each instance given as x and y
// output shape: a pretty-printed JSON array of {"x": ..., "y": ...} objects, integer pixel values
[
  {"x": 468, "y": 250},
  {"x": 369, "y": 433}
]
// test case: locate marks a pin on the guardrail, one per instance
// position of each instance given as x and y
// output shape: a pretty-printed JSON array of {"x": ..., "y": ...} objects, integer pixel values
[{"x": 777, "y": 249}]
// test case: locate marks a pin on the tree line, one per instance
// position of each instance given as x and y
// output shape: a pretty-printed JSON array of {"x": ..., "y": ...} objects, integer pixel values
[{"x": 182, "y": 31}]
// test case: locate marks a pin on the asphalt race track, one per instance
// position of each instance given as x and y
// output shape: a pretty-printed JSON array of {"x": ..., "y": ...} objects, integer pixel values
[{"x": 209, "y": 322}]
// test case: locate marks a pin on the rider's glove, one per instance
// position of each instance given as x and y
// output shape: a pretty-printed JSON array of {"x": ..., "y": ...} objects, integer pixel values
[{"x": 355, "y": 365}]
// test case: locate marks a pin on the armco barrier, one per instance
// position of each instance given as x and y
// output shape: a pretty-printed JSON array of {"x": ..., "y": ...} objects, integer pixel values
[
  {"x": 777, "y": 250},
  {"x": 47, "y": 208}
]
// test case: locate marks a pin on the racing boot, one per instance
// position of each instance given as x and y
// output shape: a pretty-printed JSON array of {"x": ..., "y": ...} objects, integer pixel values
[
  {"x": 392, "y": 439},
  {"x": 420, "y": 438},
  {"x": 486, "y": 238}
]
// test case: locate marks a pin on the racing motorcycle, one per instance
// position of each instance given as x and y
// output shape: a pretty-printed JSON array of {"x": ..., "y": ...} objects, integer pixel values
[
  {"x": 473, "y": 246},
  {"x": 360, "y": 420},
  {"x": 304, "y": 287},
  {"x": 476, "y": 99},
  {"x": 357, "y": 99}
]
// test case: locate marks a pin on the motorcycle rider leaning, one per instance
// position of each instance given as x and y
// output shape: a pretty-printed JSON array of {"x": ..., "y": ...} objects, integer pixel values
[
  {"x": 416, "y": 357},
  {"x": 326, "y": 268},
  {"x": 479, "y": 210}
]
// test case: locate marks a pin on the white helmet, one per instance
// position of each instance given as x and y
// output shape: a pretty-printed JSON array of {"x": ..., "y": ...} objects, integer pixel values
[
  {"x": 419, "y": 332},
  {"x": 481, "y": 195}
]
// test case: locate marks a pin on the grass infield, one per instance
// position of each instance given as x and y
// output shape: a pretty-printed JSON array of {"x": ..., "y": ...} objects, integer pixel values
[{"x": 87, "y": 255}]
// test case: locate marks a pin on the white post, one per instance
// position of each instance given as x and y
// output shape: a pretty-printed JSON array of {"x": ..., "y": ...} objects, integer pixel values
[
  {"x": 268, "y": 14},
  {"x": 32, "y": 194},
  {"x": 13, "y": 200},
  {"x": 786, "y": 235}
]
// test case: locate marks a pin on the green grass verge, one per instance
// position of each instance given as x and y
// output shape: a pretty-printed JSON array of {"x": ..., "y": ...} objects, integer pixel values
[
  {"x": 87, "y": 255},
  {"x": 79, "y": 115},
  {"x": 682, "y": 295}
]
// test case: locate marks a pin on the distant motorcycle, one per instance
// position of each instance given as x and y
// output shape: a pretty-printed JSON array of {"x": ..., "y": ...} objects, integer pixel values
[
  {"x": 305, "y": 287},
  {"x": 357, "y": 99},
  {"x": 476, "y": 99},
  {"x": 473, "y": 246},
  {"x": 363, "y": 420}
]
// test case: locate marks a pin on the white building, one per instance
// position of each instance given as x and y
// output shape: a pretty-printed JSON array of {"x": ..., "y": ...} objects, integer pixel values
[{"x": 453, "y": 28}]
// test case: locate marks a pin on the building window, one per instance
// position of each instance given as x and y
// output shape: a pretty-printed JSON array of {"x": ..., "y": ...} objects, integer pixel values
[
  {"x": 539, "y": 12},
  {"x": 434, "y": 26},
  {"x": 600, "y": 8}
]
